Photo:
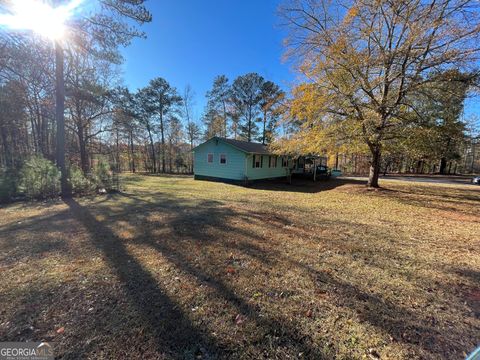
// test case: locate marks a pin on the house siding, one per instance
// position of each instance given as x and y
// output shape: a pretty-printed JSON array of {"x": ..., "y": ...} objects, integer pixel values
[
  {"x": 234, "y": 169},
  {"x": 265, "y": 172},
  {"x": 239, "y": 164}
]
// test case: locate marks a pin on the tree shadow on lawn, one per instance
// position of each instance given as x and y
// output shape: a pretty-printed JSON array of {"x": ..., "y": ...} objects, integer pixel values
[
  {"x": 212, "y": 225},
  {"x": 436, "y": 198},
  {"x": 173, "y": 331},
  {"x": 14, "y": 251},
  {"x": 190, "y": 224},
  {"x": 18, "y": 245},
  {"x": 304, "y": 185},
  {"x": 471, "y": 288},
  {"x": 403, "y": 325}
]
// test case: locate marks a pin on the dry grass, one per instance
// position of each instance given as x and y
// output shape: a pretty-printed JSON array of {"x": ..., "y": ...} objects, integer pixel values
[{"x": 176, "y": 268}]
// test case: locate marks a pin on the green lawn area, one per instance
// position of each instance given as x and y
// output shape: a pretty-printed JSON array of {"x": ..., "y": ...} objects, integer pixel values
[{"x": 176, "y": 268}]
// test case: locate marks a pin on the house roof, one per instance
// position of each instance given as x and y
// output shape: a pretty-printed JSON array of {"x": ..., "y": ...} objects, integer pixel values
[
  {"x": 245, "y": 146},
  {"x": 248, "y": 147}
]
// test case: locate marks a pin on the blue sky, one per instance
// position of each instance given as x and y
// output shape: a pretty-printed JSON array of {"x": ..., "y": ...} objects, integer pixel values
[{"x": 192, "y": 41}]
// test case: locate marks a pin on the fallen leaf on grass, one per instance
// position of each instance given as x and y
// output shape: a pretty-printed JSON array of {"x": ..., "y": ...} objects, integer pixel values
[
  {"x": 239, "y": 319},
  {"x": 230, "y": 270}
]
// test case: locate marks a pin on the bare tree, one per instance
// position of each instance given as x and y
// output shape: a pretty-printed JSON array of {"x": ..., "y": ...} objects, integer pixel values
[
  {"x": 246, "y": 96},
  {"x": 162, "y": 99},
  {"x": 218, "y": 101},
  {"x": 192, "y": 129},
  {"x": 88, "y": 100}
]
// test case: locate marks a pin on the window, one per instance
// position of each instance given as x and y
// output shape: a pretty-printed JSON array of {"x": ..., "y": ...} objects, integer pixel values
[
  {"x": 223, "y": 159},
  {"x": 284, "y": 161},
  {"x": 272, "y": 161},
  {"x": 210, "y": 158},
  {"x": 257, "y": 161}
]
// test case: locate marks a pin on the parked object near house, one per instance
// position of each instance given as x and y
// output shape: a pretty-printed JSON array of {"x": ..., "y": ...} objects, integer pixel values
[
  {"x": 311, "y": 169},
  {"x": 323, "y": 172},
  {"x": 336, "y": 172},
  {"x": 239, "y": 161}
]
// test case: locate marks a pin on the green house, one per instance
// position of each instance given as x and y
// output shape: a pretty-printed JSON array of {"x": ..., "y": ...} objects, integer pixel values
[{"x": 237, "y": 161}]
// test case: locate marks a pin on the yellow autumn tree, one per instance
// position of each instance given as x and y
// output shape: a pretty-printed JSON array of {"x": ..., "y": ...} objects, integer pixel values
[{"x": 363, "y": 62}]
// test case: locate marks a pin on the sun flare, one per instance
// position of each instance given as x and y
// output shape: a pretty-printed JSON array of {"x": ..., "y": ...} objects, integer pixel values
[{"x": 39, "y": 16}]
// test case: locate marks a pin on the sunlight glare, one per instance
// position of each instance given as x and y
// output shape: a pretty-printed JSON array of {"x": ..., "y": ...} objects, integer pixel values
[{"x": 39, "y": 16}]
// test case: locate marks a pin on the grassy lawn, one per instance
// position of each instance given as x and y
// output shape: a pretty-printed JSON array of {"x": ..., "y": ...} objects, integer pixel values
[{"x": 177, "y": 268}]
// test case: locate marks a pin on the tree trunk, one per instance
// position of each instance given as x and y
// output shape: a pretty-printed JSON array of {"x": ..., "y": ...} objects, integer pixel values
[
  {"x": 385, "y": 170},
  {"x": 132, "y": 150},
  {"x": 225, "y": 125},
  {"x": 443, "y": 166},
  {"x": 117, "y": 150},
  {"x": 82, "y": 145},
  {"x": 472, "y": 168},
  {"x": 249, "y": 134},
  {"x": 59, "y": 115},
  {"x": 264, "y": 126},
  {"x": 417, "y": 168},
  {"x": 84, "y": 163},
  {"x": 170, "y": 157},
  {"x": 163, "y": 141},
  {"x": 374, "y": 167},
  {"x": 152, "y": 147},
  {"x": 191, "y": 156},
  {"x": 6, "y": 148}
]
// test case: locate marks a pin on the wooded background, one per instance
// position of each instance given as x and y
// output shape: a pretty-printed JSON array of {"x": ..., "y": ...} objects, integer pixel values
[{"x": 398, "y": 107}]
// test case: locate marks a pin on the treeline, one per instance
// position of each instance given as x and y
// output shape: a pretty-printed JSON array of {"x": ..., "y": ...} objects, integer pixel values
[
  {"x": 144, "y": 131},
  {"x": 108, "y": 128},
  {"x": 152, "y": 129},
  {"x": 466, "y": 161},
  {"x": 161, "y": 121},
  {"x": 379, "y": 103},
  {"x": 93, "y": 133},
  {"x": 249, "y": 108}
]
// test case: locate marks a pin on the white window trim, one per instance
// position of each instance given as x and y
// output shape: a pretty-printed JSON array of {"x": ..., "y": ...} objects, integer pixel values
[
  {"x": 213, "y": 158},
  {"x": 220, "y": 159},
  {"x": 272, "y": 162},
  {"x": 259, "y": 162}
]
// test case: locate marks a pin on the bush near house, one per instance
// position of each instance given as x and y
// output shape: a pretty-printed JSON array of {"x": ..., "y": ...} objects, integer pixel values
[
  {"x": 8, "y": 186},
  {"x": 39, "y": 178}
]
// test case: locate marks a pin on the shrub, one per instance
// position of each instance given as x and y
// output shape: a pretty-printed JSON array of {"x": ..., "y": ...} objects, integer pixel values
[
  {"x": 8, "y": 187},
  {"x": 79, "y": 182},
  {"x": 39, "y": 178},
  {"x": 103, "y": 176}
]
